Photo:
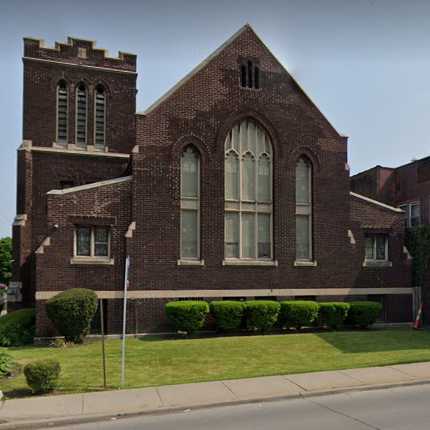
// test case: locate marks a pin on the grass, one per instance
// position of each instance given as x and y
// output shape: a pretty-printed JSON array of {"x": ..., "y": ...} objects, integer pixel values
[{"x": 153, "y": 361}]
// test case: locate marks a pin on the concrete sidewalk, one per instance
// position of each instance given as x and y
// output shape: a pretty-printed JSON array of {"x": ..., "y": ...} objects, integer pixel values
[{"x": 37, "y": 412}]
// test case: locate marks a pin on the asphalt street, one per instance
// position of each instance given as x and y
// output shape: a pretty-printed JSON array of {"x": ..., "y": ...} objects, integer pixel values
[{"x": 402, "y": 408}]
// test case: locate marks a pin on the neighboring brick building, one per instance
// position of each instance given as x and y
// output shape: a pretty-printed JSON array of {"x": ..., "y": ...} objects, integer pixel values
[
  {"x": 407, "y": 187},
  {"x": 233, "y": 184}
]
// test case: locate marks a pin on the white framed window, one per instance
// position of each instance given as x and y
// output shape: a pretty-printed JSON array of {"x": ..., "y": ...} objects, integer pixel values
[
  {"x": 303, "y": 210},
  {"x": 376, "y": 248},
  {"x": 190, "y": 204},
  {"x": 62, "y": 112},
  {"x": 92, "y": 242},
  {"x": 81, "y": 114},
  {"x": 100, "y": 117},
  {"x": 412, "y": 213},
  {"x": 248, "y": 172}
]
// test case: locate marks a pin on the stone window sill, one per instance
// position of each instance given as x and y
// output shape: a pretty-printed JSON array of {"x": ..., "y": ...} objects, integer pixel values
[
  {"x": 259, "y": 263},
  {"x": 376, "y": 263},
  {"x": 303, "y": 263},
  {"x": 92, "y": 261},
  {"x": 191, "y": 263}
]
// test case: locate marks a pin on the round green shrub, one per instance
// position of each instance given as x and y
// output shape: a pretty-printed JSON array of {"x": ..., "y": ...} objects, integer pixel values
[
  {"x": 17, "y": 328},
  {"x": 261, "y": 315},
  {"x": 7, "y": 364},
  {"x": 298, "y": 313},
  {"x": 42, "y": 376},
  {"x": 228, "y": 314},
  {"x": 363, "y": 314},
  {"x": 187, "y": 316},
  {"x": 332, "y": 314},
  {"x": 71, "y": 313}
]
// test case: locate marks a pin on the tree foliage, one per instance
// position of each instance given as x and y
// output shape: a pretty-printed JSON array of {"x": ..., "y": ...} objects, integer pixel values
[
  {"x": 418, "y": 244},
  {"x": 5, "y": 260}
]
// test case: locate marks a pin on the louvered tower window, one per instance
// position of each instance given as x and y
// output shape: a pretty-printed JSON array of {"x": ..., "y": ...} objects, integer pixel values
[
  {"x": 100, "y": 117},
  {"x": 81, "y": 115},
  {"x": 62, "y": 112}
]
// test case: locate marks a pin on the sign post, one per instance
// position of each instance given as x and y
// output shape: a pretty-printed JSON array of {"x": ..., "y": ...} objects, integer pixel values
[
  {"x": 124, "y": 321},
  {"x": 102, "y": 328}
]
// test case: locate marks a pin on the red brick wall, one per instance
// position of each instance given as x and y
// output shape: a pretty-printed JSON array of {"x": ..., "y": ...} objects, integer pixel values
[
  {"x": 43, "y": 68},
  {"x": 40, "y": 172},
  {"x": 367, "y": 217},
  {"x": 202, "y": 111},
  {"x": 107, "y": 205}
]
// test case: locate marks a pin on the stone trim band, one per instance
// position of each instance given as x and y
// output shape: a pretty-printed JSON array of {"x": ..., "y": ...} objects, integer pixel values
[{"x": 177, "y": 294}]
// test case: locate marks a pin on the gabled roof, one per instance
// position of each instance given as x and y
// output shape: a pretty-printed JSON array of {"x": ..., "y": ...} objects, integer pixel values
[{"x": 212, "y": 56}]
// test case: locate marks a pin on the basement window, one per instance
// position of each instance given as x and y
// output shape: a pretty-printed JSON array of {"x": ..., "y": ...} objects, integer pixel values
[{"x": 249, "y": 75}]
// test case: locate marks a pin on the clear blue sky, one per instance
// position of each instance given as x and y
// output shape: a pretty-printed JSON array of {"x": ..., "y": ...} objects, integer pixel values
[{"x": 366, "y": 63}]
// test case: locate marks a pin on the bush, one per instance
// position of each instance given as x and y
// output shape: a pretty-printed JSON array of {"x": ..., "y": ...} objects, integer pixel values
[
  {"x": 298, "y": 314},
  {"x": 332, "y": 314},
  {"x": 228, "y": 314},
  {"x": 42, "y": 376},
  {"x": 7, "y": 364},
  {"x": 187, "y": 315},
  {"x": 17, "y": 328},
  {"x": 71, "y": 313},
  {"x": 261, "y": 314},
  {"x": 363, "y": 314}
]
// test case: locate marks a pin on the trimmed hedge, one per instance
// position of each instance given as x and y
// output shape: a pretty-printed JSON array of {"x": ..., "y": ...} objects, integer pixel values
[
  {"x": 71, "y": 312},
  {"x": 298, "y": 313},
  {"x": 17, "y": 328},
  {"x": 7, "y": 364},
  {"x": 332, "y": 314},
  {"x": 228, "y": 314},
  {"x": 42, "y": 376},
  {"x": 187, "y": 316},
  {"x": 363, "y": 314},
  {"x": 261, "y": 315}
]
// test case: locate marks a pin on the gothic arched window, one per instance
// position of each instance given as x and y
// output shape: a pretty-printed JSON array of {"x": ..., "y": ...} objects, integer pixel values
[
  {"x": 303, "y": 210},
  {"x": 248, "y": 168},
  {"x": 190, "y": 204}
]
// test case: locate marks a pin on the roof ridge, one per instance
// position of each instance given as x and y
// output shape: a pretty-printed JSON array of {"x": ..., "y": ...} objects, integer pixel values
[
  {"x": 217, "y": 51},
  {"x": 196, "y": 69}
]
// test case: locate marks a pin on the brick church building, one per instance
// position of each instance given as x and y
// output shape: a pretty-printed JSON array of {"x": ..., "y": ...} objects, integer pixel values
[{"x": 231, "y": 185}]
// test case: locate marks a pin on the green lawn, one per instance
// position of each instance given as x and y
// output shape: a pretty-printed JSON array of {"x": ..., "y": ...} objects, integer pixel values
[{"x": 156, "y": 361}]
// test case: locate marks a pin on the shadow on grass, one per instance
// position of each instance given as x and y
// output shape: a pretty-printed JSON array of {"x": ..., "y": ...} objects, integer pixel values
[
  {"x": 242, "y": 333},
  {"x": 377, "y": 340},
  {"x": 18, "y": 393}
]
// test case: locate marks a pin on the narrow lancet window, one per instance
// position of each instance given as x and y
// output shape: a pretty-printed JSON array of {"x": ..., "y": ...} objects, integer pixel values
[
  {"x": 303, "y": 210},
  {"x": 190, "y": 205}
]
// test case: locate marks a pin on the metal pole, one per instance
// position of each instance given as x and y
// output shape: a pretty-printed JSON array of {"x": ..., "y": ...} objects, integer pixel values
[
  {"x": 102, "y": 327},
  {"x": 124, "y": 321}
]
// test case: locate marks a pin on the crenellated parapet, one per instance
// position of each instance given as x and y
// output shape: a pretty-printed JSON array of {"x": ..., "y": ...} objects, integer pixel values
[{"x": 80, "y": 52}]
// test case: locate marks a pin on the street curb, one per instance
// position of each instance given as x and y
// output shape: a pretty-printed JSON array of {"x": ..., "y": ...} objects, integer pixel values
[{"x": 83, "y": 419}]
